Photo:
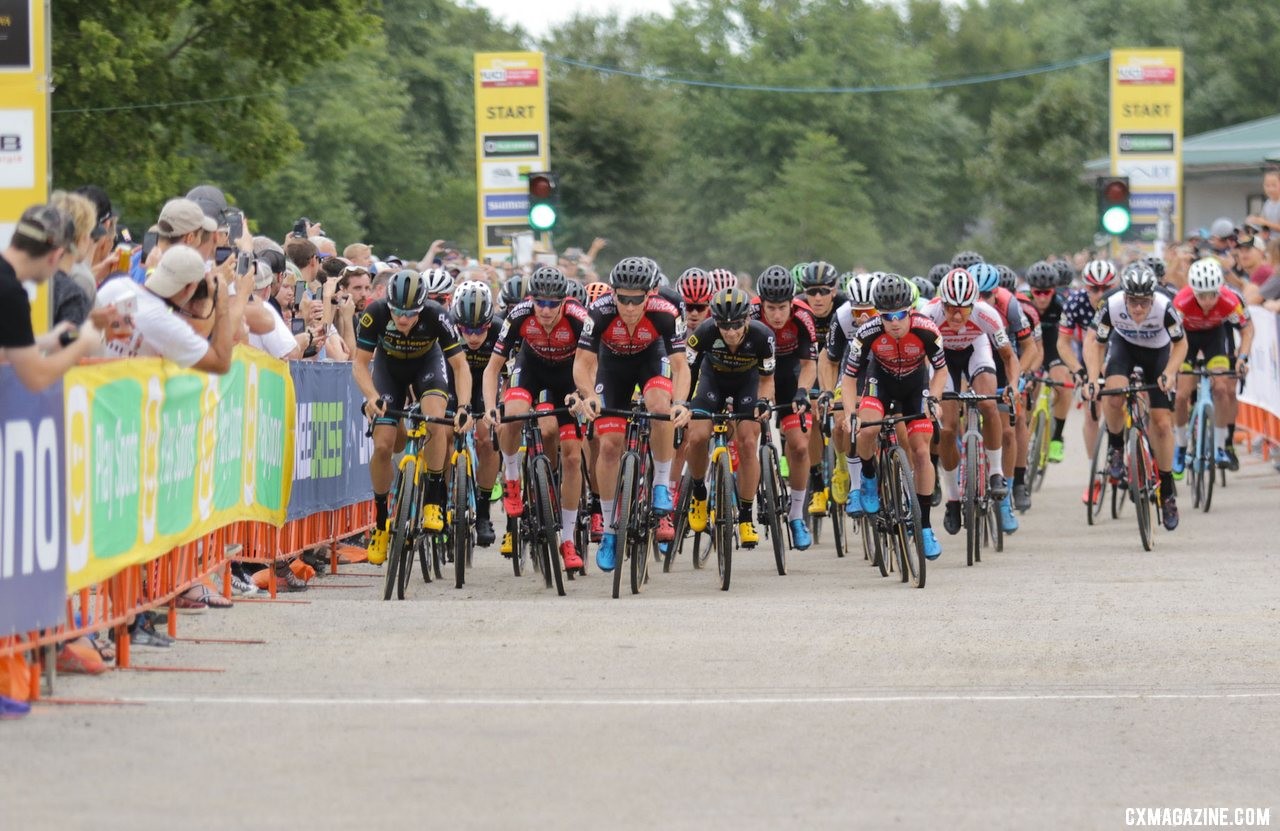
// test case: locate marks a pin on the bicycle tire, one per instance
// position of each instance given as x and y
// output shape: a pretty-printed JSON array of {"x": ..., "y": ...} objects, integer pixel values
[
  {"x": 546, "y": 521},
  {"x": 639, "y": 529},
  {"x": 1138, "y": 484},
  {"x": 679, "y": 523},
  {"x": 1097, "y": 480},
  {"x": 1119, "y": 496},
  {"x": 462, "y": 488},
  {"x": 769, "y": 497},
  {"x": 872, "y": 550},
  {"x": 1037, "y": 453},
  {"x": 401, "y": 537},
  {"x": 907, "y": 512},
  {"x": 1208, "y": 454},
  {"x": 725, "y": 516},
  {"x": 1191, "y": 461},
  {"x": 582, "y": 531},
  {"x": 838, "y": 528},
  {"x": 626, "y": 496},
  {"x": 971, "y": 495}
]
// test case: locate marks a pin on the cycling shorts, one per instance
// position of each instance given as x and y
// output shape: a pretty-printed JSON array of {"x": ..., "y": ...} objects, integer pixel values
[
  {"x": 618, "y": 376},
  {"x": 885, "y": 392},
  {"x": 395, "y": 379},
  {"x": 1208, "y": 344},
  {"x": 534, "y": 381},
  {"x": 1050, "y": 346},
  {"x": 968, "y": 363},
  {"x": 1123, "y": 356},
  {"x": 713, "y": 389},
  {"x": 477, "y": 390},
  {"x": 786, "y": 381}
]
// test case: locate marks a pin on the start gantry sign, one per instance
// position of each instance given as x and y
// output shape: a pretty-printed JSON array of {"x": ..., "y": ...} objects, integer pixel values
[{"x": 1146, "y": 134}]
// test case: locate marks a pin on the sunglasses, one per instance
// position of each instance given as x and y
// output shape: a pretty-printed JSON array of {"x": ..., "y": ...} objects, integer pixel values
[
  {"x": 630, "y": 299},
  {"x": 1042, "y": 292},
  {"x": 546, "y": 303},
  {"x": 947, "y": 307},
  {"x": 474, "y": 330},
  {"x": 901, "y": 314},
  {"x": 730, "y": 324},
  {"x": 818, "y": 291},
  {"x": 696, "y": 307},
  {"x": 404, "y": 312},
  {"x": 1094, "y": 289},
  {"x": 1139, "y": 301},
  {"x": 354, "y": 271}
]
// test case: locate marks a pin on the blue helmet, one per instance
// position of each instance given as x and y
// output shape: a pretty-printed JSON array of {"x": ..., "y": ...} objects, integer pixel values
[{"x": 986, "y": 276}]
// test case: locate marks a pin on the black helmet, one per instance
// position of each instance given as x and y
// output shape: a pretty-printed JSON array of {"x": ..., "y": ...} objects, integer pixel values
[
  {"x": 1155, "y": 264},
  {"x": 926, "y": 287},
  {"x": 819, "y": 273},
  {"x": 472, "y": 304},
  {"x": 514, "y": 290},
  {"x": 634, "y": 274},
  {"x": 775, "y": 285},
  {"x": 577, "y": 291},
  {"x": 937, "y": 272},
  {"x": 407, "y": 290},
  {"x": 549, "y": 283},
  {"x": 731, "y": 304},
  {"x": 892, "y": 292},
  {"x": 1042, "y": 275},
  {"x": 1008, "y": 278},
  {"x": 1138, "y": 280},
  {"x": 964, "y": 259},
  {"x": 1065, "y": 272}
]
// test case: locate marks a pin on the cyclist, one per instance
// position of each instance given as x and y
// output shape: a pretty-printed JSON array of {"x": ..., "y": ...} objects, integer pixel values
[
  {"x": 472, "y": 314},
  {"x": 1075, "y": 332},
  {"x": 402, "y": 346},
  {"x": 596, "y": 290},
  {"x": 1042, "y": 279},
  {"x": 1208, "y": 308},
  {"x": 965, "y": 259},
  {"x": 969, "y": 329},
  {"x": 577, "y": 291},
  {"x": 1150, "y": 336},
  {"x": 936, "y": 273},
  {"x": 695, "y": 291},
  {"x": 795, "y": 339},
  {"x": 859, "y": 309},
  {"x": 542, "y": 332},
  {"x": 736, "y": 360},
  {"x": 820, "y": 282},
  {"x": 632, "y": 339},
  {"x": 439, "y": 284},
  {"x": 889, "y": 360},
  {"x": 513, "y": 291},
  {"x": 925, "y": 290}
]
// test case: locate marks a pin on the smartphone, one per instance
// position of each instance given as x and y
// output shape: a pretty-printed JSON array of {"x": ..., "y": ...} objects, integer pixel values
[
  {"x": 244, "y": 261},
  {"x": 149, "y": 241},
  {"x": 221, "y": 253},
  {"x": 235, "y": 223},
  {"x": 300, "y": 227}
]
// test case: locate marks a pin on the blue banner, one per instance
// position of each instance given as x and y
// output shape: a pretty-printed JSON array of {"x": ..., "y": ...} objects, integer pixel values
[
  {"x": 33, "y": 520},
  {"x": 331, "y": 452}
]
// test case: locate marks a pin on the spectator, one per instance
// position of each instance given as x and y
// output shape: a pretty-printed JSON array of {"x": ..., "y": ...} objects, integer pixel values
[
  {"x": 357, "y": 253},
  {"x": 1269, "y": 218},
  {"x": 378, "y": 287},
  {"x": 324, "y": 343},
  {"x": 354, "y": 287},
  {"x": 183, "y": 222},
  {"x": 72, "y": 296},
  {"x": 1251, "y": 258},
  {"x": 1222, "y": 235},
  {"x": 39, "y": 239},
  {"x": 325, "y": 247},
  {"x": 270, "y": 333},
  {"x": 1268, "y": 294},
  {"x": 101, "y": 259},
  {"x": 302, "y": 253}
]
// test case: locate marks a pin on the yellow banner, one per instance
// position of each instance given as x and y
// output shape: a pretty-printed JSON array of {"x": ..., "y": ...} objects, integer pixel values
[
  {"x": 24, "y": 124},
  {"x": 157, "y": 456},
  {"x": 512, "y": 133},
  {"x": 1146, "y": 134}
]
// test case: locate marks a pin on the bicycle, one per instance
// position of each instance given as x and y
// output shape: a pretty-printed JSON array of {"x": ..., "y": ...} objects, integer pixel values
[
  {"x": 1041, "y": 418},
  {"x": 981, "y": 518},
  {"x": 773, "y": 496},
  {"x": 722, "y": 495},
  {"x": 1140, "y": 470},
  {"x": 829, "y": 462},
  {"x": 405, "y": 505},
  {"x": 896, "y": 526},
  {"x": 1201, "y": 469}
]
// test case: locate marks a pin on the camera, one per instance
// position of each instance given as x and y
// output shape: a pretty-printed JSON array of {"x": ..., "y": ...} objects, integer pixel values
[
  {"x": 300, "y": 227},
  {"x": 221, "y": 253},
  {"x": 235, "y": 223},
  {"x": 244, "y": 260}
]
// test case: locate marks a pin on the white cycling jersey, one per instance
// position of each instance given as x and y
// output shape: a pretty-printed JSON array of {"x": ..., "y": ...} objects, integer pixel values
[
  {"x": 984, "y": 321},
  {"x": 1161, "y": 325}
]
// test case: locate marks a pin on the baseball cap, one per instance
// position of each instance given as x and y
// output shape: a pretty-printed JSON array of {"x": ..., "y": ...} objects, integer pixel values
[
  {"x": 180, "y": 266},
  {"x": 1222, "y": 228},
  {"x": 182, "y": 216},
  {"x": 212, "y": 201},
  {"x": 46, "y": 224}
]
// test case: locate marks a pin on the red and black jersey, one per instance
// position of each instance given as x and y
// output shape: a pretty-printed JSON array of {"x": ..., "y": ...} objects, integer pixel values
[
  {"x": 1032, "y": 314},
  {"x": 897, "y": 356},
  {"x": 797, "y": 340},
  {"x": 823, "y": 324},
  {"x": 1227, "y": 309},
  {"x": 661, "y": 323},
  {"x": 557, "y": 346}
]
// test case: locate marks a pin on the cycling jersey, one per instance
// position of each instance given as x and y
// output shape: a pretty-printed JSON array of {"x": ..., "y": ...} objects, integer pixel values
[
  {"x": 477, "y": 361},
  {"x": 1033, "y": 316},
  {"x": 823, "y": 324},
  {"x": 984, "y": 320},
  {"x": 1050, "y": 316},
  {"x": 756, "y": 352},
  {"x": 1227, "y": 309},
  {"x": 661, "y": 327},
  {"x": 672, "y": 296},
  {"x": 896, "y": 356},
  {"x": 378, "y": 332},
  {"x": 1016, "y": 324},
  {"x": 1078, "y": 314},
  {"x": 1155, "y": 331},
  {"x": 557, "y": 346},
  {"x": 797, "y": 340},
  {"x": 840, "y": 335}
]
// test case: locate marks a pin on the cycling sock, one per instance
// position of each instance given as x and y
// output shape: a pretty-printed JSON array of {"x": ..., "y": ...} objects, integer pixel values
[
  {"x": 869, "y": 468},
  {"x": 926, "y": 505},
  {"x": 1058, "y": 424},
  {"x": 1231, "y": 436},
  {"x": 1180, "y": 435},
  {"x": 1166, "y": 484},
  {"x": 815, "y": 478},
  {"x": 380, "y": 510},
  {"x": 482, "y": 501},
  {"x": 855, "y": 468},
  {"x": 1019, "y": 476},
  {"x": 435, "y": 487},
  {"x": 995, "y": 458},
  {"x": 744, "y": 511},
  {"x": 950, "y": 483},
  {"x": 606, "y": 508},
  {"x": 797, "y": 505},
  {"x": 1220, "y": 437},
  {"x": 699, "y": 488},
  {"x": 511, "y": 466},
  {"x": 595, "y": 503},
  {"x": 1115, "y": 440},
  {"x": 568, "y": 520},
  {"x": 662, "y": 473}
]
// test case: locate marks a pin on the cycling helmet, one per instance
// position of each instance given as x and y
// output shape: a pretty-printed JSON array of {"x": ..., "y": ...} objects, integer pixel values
[
  {"x": 1065, "y": 272},
  {"x": 597, "y": 290},
  {"x": 1204, "y": 276},
  {"x": 514, "y": 290},
  {"x": 958, "y": 288},
  {"x": 797, "y": 274},
  {"x": 695, "y": 286},
  {"x": 657, "y": 272},
  {"x": 472, "y": 304},
  {"x": 1156, "y": 264},
  {"x": 1042, "y": 275},
  {"x": 1138, "y": 280},
  {"x": 964, "y": 259},
  {"x": 731, "y": 304},
  {"x": 438, "y": 281},
  {"x": 633, "y": 273},
  {"x": 1099, "y": 273},
  {"x": 775, "y": 285},
  {"x": 407, "y": 290},
  {"x": 722, "y": 278},
  {"x": 861, "y": 290},
  {"x": 925, "y": 285},
  {"x": 576, "y": 290},
  {"x": 548, "y": 283},
  {"x": 987, "y": 277},
  {"x": 937, "y": 272},
  {"x": 1008, "y": 278},
  {"x": 891, "y": 293},
  {"x": 819, "y": 273}
]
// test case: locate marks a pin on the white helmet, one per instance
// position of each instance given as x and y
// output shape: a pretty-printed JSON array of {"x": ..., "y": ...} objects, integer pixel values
[
  {"x": 438, "y": 281},
  {"x": 860, "y": 288},
  {"x": 958, "y": 288},
  {"x": 1205, "y": 276}
]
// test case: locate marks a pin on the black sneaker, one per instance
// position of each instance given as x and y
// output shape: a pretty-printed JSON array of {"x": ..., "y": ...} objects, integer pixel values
[
  {"x": 1169, "y": 512},
  {"x": 144, "y": 634},
  {"x": 951, "y": 521},
  {"x": 1233, "y": 462},
  {"x": 484, "y": 532},
  {"x": 286, "y": 580},
  {"x": 996, "y": 488}
]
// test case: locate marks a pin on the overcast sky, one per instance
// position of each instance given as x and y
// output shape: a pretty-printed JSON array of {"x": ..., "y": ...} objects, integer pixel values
[{"x": 538, "y": 17}]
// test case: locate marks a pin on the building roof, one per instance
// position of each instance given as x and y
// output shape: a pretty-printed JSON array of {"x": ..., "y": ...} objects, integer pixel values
[{"x": 1246, "y": 146}]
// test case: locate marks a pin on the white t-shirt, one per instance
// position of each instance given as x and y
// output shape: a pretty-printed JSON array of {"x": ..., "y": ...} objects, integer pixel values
[
  {"x": 154, "y": 330},
  {"x": 279, "y": 341}
]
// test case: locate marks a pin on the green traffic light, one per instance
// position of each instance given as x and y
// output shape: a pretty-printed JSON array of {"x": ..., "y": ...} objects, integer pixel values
[
  {"x": 1116, "y": 220},
  {"x": 542, "y": 217}
]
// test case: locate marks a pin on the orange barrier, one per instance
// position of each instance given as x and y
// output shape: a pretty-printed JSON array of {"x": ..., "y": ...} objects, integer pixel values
[{"x": 1259, "y": 424}]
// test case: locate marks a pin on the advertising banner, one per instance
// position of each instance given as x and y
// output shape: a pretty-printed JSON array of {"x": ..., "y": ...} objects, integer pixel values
[
  {"x": 1262, "y": 388},
  {"x": 512, "y": 134},
  {"x": 1146, "y": 131},
  {"x": 33, "y": 583},
  {"x": 158, "y": 456},
  {"x": 331, "y": 452}
]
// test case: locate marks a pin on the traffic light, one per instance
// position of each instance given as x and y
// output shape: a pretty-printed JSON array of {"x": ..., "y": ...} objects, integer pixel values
[
  {"x": 544, "y": 200},
  {"x": 1113, "y": 205}
]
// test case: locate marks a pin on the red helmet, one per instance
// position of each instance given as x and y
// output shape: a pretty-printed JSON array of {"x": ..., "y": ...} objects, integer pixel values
[
  {"x": 597, "y": 290},
  {"x": 1099, "y": 273},
  {"x": 695, "y": 286}
]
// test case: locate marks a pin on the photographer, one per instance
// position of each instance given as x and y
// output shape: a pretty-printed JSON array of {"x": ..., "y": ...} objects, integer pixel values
[{"x": 267, "y": 329}]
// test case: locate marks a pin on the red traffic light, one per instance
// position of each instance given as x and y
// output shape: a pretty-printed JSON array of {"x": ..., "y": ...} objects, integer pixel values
[
  {"x": 1116, "y": 191},
  {"x": 541, "y": 185}
]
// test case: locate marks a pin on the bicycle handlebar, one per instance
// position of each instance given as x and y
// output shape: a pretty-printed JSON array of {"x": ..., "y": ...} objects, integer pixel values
[
  {"x": 890, "y": 421},
  {"x": 1131, "y": 389}
]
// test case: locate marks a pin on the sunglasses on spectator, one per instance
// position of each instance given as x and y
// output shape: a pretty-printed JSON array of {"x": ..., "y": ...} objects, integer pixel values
[
  {"x": 630, "y": 299},
  {"x": 547, "y": 302},
  {"x": 354, "y": 271},
  {"x": 901, "y": 314},
  {"x": 818, "y": 291},
  {"x": 731, "y": 324},
  {"x": 696, "y": 307},
  {"x": 1042, "y": 292},
  {"x": 474, "y": 330},
  {"x": 404, "y": 312}
]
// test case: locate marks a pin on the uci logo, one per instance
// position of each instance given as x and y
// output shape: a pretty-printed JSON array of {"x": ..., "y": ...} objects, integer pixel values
[
  {"x": 150, "y": 478},
  {"x": 79, "y": 463}
]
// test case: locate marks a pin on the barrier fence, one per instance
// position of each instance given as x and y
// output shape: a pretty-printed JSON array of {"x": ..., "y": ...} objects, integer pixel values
[
  {"x": 1259, "y": 414},
  {"x": 258, "y": 465}
]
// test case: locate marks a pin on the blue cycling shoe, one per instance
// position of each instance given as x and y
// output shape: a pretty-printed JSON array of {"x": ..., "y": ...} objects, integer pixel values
[
  {"x": 870, "y": 494},
  {"x": 1007, "y": 520},
  {"x": 605, "y": 557},
  {"x": 662, "y": 502},
  {"x": 800, "y": 534},
  {"x": 853, "y": 505},
  {"x": 932, "y": 548}
]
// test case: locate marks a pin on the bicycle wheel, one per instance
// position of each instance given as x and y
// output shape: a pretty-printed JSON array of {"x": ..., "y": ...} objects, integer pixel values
[
  {"x": 1097, "y": 486},
  {"x": 872, "y": 550},
  {"x": 679, "y": 522},
  {"x": 839, "y": 527},
  {"x": 770, "y": 493},
  {"x": 628, "y": 482},
  {"x": 1139, "y": 486},
  {"x": 971, "y": 493},
  {"x": 582, "y": 531},
  {"x": 546, "y": 520},
  {"x": 907, "y": 516},
  {"x": 1208, "y": 457},
  {"x": 460, "y": 531},
  {"x": 402, "y": 536},
  {"x": 1038, "y": 451},
  {"x": 726, "y": 512}
]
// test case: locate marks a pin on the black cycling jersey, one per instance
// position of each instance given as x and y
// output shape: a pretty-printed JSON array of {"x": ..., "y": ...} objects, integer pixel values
[
  {"x": 378, "y": 332},
  {"x": 755, "y": 353}
]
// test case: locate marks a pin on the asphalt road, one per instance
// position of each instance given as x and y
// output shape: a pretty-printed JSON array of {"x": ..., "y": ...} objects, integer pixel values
[{"x": 1054, "y": 685}]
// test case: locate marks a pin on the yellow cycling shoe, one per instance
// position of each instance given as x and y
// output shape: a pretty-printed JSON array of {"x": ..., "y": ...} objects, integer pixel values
[
  {"x": 818, "y": 504},
  {"x": 747, "y": 536},
  {"x": 697, "y": 515},
  {"x": 840, "y": 485},
  {"x": 377, "y": 550},
  {"x": 432, "y": 517},
  {"x": 508, "y": 544}
]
